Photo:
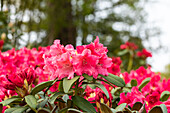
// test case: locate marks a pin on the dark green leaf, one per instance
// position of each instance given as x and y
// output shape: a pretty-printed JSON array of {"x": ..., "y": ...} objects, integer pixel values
[
  {"x": 156, "y": 109},
  {"x": 164, "y": 96},
  {"x": 90, "y": 78},
  {"x": 105, "y": 108},
  {"x": 137, "y": 106},
  {"x": 43, "y": 110},
  {"x": 133, "y": 82},
  {"x": 103, "y": 89},
  {"x": 144, "y": 83},
  {"x": 40, "y": 87},
  {"x": 19, "y": 110},
  {"x": 83, "y": 104},
  {"x": 68, "y": 83},
  {"x": 31, "y": 101},
  {"x": 164, "y": 108},
  {"x": 114, "y": 80},
  {"x": 54, "y": 97},
  {"x": 10, "y": 100},
  {"x": 120, "y": 107}
]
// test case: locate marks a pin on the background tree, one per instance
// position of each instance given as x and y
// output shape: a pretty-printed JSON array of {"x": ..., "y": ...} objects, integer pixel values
[{"x": 40, "y": 22}]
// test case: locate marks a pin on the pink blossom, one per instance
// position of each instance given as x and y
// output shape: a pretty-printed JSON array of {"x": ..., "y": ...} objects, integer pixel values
[
  {"x": 85, "y": 63},
  {"x": 144, "y": 54},
  {"x": 129, "y": 45}
]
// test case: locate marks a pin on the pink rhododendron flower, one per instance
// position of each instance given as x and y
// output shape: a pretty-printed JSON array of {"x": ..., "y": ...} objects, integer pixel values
[
  {"x": 132, "y": 97},
  {"x": 153, "y": 100},
  {"x": 129, "y": 45},
  {"x": 10, "y": 82},
  {"x": 85, "y": 63},
  {"x": 115, "y": 67},
  {"x": 144, "y": 54}
]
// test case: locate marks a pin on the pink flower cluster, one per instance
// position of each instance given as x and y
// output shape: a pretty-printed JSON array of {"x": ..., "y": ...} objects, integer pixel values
[
  {"x": 88, "y": 59},
  {"x": 16, "y": 66},
  {"x": 149, "y": 93},
  {"x": 115, "y": 67},
  {"x": 144, "y": 54},
  {"x": 129, "y": 45}
]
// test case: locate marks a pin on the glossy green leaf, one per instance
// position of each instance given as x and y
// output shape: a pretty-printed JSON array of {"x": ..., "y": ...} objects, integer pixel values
[
  {"x": 54, "y": 97},
  {"x": 68, "y": 83},
  {"x": 133, "y": 82},
  {"x": 31, "y": 101},
  {"x": 40, "y": 87},
  {"x": 19, "y": 110},
  {"x": 164, "y": 96},
  {"x": 103, "y": 89},
  {"x": 90, "y": 78},
  {"x": 144, "y": 83},
  {"x": 164, "y": 108},
  {"x": 10, "y": 100},
  {"x": 83, "y": 104},
  {"x": 114, "y": 80},
  {"x": 105, "y": 108},
  {"x": 121, "y": 107}
]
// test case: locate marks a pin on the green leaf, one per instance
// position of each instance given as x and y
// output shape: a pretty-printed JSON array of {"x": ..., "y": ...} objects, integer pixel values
[
  {"x": 42, "y": 103},
  {"x": 133, "y": 82},
  {"x": 144, "y": 83},
  {"x": 72, "y": 110},
  {"x": 20, "y": 110},
  {"x": 122, "y": 52},
  {"x": 114, "y": 80},
  {"x": 156, "y": 109},
  {"x": 10, "y": 100},
  {"x": 68, "y": 83},
  {"x": 137, "y": 106},
  {"x": 1, "y": 108},
  {"x": 164, "y": 108},
  {"x": 83, "y": 104},
  {"x": 164, "y": 96},
  {"x": 121, "y": 107},
  {"x": 43, "y": 110},
  {"x": 64, "y": 110},
  {"x": 10, "y": 110},
  {"x": 54, "y": 97},
  {"x": 31, "y": 101},
  {"x": 50, "y": 86},
  {"x": 40, "y": 87},
  {"x": 105, "y": 108},
  {"x": 103, "y": 89},
  {"x": 65, "y": 98},
  {"x": 90, "y": 78}
]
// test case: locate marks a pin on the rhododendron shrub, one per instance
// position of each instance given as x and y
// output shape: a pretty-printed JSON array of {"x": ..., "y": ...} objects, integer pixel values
[{"x": 61, "y": 79}]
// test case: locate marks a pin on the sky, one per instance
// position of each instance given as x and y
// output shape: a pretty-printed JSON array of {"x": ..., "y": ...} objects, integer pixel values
[{"x": 159, "y": 15}]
